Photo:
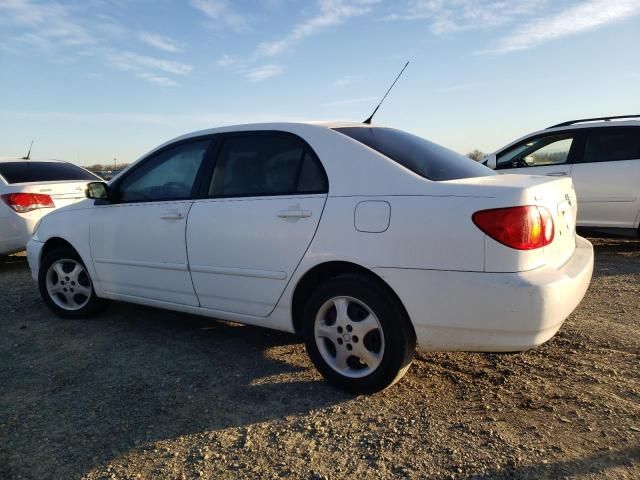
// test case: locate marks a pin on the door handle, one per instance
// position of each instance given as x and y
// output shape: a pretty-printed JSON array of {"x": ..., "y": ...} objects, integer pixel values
[
  {"x": 557, "y": 174},
  {"x": 172, "y": 216},
  {"x": 294, "y": 213}
]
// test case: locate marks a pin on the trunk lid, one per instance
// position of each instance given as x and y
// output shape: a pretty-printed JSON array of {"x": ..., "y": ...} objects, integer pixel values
[
  {"x": 62, "y": 193},
  {"x": 557, "y": 195}
]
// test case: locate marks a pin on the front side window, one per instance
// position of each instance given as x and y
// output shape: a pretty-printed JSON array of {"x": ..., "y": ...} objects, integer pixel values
[
  {"x": 29, "y": 171},
  {"x": 539, "y": 152},
  {"x": 422, "y": 157},
  {"x": 168, "y": 175},
  {"x": 252, "y": 165},
  {"x": 605, "y": 145}
]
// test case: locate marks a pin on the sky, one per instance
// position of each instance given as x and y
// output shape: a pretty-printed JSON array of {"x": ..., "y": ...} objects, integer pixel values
[{"x": 94, "y": 80}]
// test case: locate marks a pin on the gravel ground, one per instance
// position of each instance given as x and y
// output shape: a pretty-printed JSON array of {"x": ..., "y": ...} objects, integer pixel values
[{"x": 142, "y": 393}]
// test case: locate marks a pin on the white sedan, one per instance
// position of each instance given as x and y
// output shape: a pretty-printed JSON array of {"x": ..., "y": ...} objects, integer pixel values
[
  {"x": 29, "y": 189},
  {"x": 366, "y": 240}
]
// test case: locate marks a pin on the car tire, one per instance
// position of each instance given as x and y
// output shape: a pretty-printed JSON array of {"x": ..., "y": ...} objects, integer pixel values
[
  {"x": 357, "y": 334},
  {"x": 65, "y": 285}
]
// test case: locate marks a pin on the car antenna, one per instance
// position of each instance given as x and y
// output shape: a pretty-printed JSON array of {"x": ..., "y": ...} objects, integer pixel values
[
  {"x": 368, "y": 120},
  {"x": 28, "y": 156}
]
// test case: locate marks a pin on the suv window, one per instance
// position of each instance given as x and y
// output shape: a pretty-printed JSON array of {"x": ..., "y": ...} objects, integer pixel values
[
  {"x": 168, "y": 175},
  {"x": 28, "y": 171},
  {"x": 538, "y": 152},
  {"x": 427, "y": 159},
  {"x": 251, "y": 165},
  {"x": 604, "y": 145}
]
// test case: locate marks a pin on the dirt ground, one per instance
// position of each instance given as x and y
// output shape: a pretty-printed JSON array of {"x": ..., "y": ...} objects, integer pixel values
[{"x": 142, "y": 393}]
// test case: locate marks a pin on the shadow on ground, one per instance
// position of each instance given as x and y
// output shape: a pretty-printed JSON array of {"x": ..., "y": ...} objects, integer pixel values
[{"x": 134, "y": 376}]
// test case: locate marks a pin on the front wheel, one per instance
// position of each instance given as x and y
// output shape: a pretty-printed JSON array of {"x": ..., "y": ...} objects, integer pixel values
[
  {"x": 65, "y": 285},
  {"x": 357, "y": 335}
]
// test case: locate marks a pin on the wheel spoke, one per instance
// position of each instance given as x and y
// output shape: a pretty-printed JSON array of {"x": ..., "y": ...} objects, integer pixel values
[
  {"x": 324, "y": 330},
  {"x": 370, "y": 358},
  {"x": 342, "y": 316},
  {"x": 59, "y": 271},
  {"x": 73, "y": 275},
  {"x": 55, "y": 289},
  {"x": 341, "y": 358},
  {"x": 82, "y": 290},
  {"x": 366, "y": 325},
  {"x": 69, "y": 298}
]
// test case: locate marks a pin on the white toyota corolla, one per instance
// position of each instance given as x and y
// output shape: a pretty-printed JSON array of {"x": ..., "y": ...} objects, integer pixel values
[{"x": 367, "y": 240}]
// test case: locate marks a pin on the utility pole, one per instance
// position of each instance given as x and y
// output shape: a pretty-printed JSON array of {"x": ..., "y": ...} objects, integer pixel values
[{"x": 115, "y": 165}]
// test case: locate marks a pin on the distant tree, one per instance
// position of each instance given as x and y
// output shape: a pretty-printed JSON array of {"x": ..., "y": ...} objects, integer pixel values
[
  {"x": 96, "y": 168},
  {"x": 476, "y": 155}
]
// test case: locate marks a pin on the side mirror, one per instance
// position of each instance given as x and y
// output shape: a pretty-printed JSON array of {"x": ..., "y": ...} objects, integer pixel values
[
  {"x": 97, "y": 191},
  {"x": 491, "y": 161},
  {"x": 529, "y": 160}
]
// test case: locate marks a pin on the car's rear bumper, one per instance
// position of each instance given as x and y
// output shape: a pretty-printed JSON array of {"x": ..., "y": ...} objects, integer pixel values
[
  {"x": 476, "y": 311},
  {"x": 16, "y": 230}
]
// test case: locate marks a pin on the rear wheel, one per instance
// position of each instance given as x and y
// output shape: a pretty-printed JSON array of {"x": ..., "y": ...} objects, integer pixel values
[
  {"x": 357, "y": 335},
  {"x": 65, "y": 285}
]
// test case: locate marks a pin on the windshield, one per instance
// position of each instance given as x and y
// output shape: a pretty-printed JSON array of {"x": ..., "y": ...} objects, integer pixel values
[
  {"x": 425, "y": 158},
  {"x": 30, "y": 171}
]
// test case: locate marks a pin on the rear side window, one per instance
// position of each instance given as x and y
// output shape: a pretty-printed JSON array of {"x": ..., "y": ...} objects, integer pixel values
[
  {"x": 425, "y": 158},
  {"x": 29, "y": 171},
  {"x": 257, "y": 165},
  {"x": 605, "y": 145}
]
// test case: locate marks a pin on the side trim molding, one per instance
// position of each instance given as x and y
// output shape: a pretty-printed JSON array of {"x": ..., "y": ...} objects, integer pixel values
[
  {"x": 239, "y": 272},
  {"x": 181, "y": 267}
]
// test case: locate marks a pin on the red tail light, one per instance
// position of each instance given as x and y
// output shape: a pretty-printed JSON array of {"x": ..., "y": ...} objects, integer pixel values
[
  {"x": 523, "y": 228},
  {"x": 25, "y": 202}
]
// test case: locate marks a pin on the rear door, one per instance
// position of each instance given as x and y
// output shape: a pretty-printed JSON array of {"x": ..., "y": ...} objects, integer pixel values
[
  {"x": 263, "y": 203},
  {"x": 549, "y": 154},
  {"x": 607, "y": 177}
]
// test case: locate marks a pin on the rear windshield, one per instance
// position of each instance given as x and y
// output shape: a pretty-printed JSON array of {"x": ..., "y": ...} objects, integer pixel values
[
  {"x": 427, "y": 159},
  {"x": 29, "y": 171}
]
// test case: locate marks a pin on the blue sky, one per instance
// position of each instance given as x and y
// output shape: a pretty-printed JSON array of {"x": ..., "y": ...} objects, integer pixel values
[{"x": 92, "y": 80}]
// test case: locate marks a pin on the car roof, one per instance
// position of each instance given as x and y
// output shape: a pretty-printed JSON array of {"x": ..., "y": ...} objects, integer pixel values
[
  {"x": 17, "y": 159},
  {"x": 574, "y": 126},
  {"x": 276, "y": 126}
]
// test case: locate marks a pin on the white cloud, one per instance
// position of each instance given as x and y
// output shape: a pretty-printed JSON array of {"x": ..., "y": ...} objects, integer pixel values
[
  {"x": 570, "y": 21},
  {"x": 48, "y": 24},
  {"x": 134, "y": 62},
  {"x": 455, "y": 15},
  {"x": 160, "y": 42},
  {"x": 157, "y": 79},
  {"x": 332, "y": 13},
  {"x": 346, "y": 81},
  {"x": 264, "y": 72},
  {"x": 228, "y": 61},
  {"x": 70, "y": 31},
  {"x": 220, "y": 11}
]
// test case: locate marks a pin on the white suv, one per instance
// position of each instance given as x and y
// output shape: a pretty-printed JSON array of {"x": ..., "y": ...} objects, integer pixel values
[{"x": 600, "y": 154}]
